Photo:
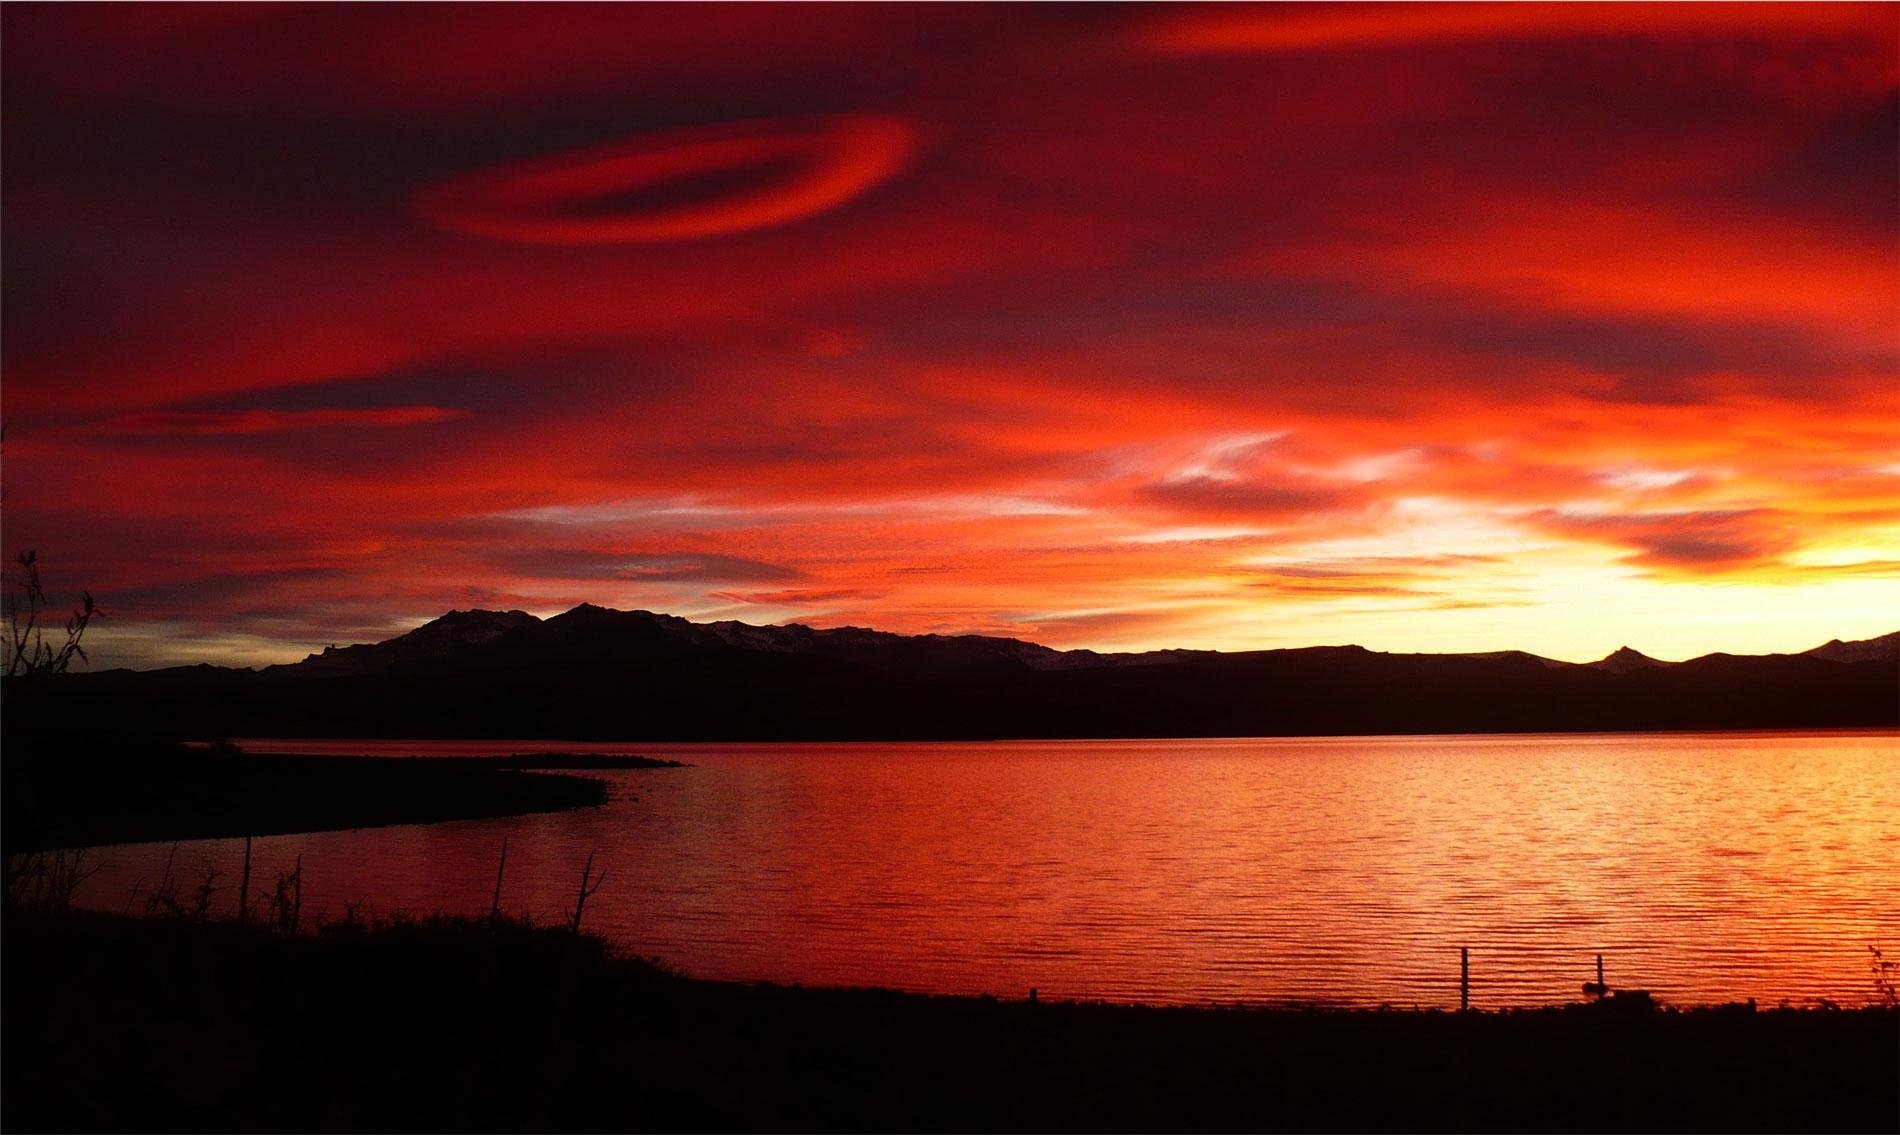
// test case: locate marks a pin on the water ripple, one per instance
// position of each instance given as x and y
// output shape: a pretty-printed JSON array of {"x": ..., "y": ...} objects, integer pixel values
[{"x": 1706, "y": 868}]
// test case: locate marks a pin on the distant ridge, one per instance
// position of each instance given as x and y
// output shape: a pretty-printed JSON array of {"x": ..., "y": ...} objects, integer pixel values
[
  {"x": 598, "y": 673},
  {"x": 454, "y": 636},
  {"x": 1882, "y": 649},
  {"x": 439, "y": 638},
  {"x": 1623, "y": 660},
  {"x": 603, "y": 631}
]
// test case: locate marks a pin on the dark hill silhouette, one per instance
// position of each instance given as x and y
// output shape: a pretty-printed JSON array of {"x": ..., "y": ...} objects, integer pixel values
[
  {"x": 441, "y": 638},
  {"x": 484, "y": 639},
  {"x": 1622, "y": 660},
  {"x": 597, "y": 673}
]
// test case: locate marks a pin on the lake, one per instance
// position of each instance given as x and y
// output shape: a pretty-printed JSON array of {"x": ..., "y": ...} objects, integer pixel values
[{"x": 1703, "y": 867}]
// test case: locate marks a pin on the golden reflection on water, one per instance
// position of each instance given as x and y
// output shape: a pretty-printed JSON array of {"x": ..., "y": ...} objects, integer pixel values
[{"x": 1705, "y": 867}]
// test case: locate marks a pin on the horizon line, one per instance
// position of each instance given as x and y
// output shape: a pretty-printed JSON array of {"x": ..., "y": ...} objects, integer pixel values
[{"x": 1110, "y": 653}]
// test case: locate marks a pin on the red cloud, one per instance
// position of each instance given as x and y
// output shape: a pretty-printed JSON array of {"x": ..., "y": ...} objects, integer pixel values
[
  {"x": 619, "y": 193},
  {"x": 1630, "y": 291},
  {"x": 1323, "y": 27},
  {"x": 215, "y": 423}
]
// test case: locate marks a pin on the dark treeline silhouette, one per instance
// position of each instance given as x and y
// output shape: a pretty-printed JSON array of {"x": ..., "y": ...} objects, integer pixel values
[{"x": 594, "y": 673}]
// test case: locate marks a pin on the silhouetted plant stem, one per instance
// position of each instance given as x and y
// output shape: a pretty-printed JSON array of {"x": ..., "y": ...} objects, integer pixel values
[
  {"x": 244, "y": 886},
  {"x": 46, "y": 880},
  {"x": 165, "y": 895},
  {"x": 580, "y": 903},
  {"x": 494, "y": 908},
  {"x": 1884, "y": 970},
  {"x": 25, "y": 647}
]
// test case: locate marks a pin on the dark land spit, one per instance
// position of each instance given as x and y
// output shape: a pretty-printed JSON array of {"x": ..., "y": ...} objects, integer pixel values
[
  {"x": 571, "y": 762},
  {"x": 105, "y": 790},
  {"x": 567, "y": 761},
  {"x": 459, "y": 1024}
]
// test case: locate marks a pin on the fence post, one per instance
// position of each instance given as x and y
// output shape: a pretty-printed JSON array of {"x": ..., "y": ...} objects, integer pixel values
[
  {"x": 1597, "y": 988},
  {"x": 1464, "y": 979}
]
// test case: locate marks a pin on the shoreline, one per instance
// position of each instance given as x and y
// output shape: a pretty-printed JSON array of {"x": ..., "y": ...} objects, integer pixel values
[
  {"x": 473, "y": 1023},
  {"x": 157, "y": 794},
  {"x": 353, "y": 746},
  {"x": 516, "y": 761}
]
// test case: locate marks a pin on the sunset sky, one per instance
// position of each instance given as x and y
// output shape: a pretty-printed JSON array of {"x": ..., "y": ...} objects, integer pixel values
[{"x": 1424, "y": 327}]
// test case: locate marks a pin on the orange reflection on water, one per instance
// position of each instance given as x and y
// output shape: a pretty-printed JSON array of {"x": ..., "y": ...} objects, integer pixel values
[{"x": 1704, "y": 867}]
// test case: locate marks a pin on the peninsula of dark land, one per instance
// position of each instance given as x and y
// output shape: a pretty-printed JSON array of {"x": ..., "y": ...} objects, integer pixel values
[
  {"x": 105, "y": 788},
  {"x": 599, "y": 674},
  {"x": 478, "y": 1024}
]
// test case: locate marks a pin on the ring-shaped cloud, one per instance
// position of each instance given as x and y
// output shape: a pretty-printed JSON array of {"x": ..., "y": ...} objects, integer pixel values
[{"x": 675, "y": 184}]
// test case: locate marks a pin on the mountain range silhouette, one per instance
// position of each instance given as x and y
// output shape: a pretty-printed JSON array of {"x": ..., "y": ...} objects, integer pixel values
[{"x": 603, "y": 674}]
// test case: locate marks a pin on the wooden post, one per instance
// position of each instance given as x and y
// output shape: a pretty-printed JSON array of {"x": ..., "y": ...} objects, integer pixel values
[
  {"x": 244, "y": 886},
  {"x": 1464, "y": 978},
  {"x": 494, "y": 908},
  {"x": 1600, "y": 984}
]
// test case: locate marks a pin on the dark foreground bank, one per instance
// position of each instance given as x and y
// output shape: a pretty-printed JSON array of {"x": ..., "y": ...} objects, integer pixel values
[
  {"x": 119, "y": 791},
  {"x": 472, "y": 1025}
]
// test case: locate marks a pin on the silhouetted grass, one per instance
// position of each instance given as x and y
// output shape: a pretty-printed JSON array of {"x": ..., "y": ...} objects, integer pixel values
[{"x": 440, "y": 1023}]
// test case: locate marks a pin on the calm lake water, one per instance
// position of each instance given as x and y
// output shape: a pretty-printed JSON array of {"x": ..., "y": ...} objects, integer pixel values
[{"x": 1704, "y": 867}]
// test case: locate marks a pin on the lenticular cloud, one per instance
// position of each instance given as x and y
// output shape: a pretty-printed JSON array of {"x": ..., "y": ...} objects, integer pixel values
[{"x": 675, "y": 184}]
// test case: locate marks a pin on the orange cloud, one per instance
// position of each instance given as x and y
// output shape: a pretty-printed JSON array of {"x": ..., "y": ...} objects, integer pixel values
[{"x": 1686, "y": 542}]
